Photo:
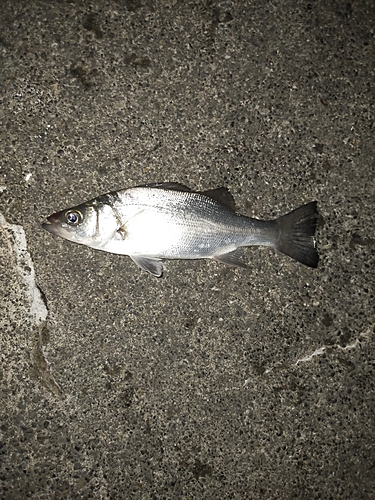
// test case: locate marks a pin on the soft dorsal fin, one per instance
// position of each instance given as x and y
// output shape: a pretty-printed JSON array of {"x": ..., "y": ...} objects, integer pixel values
[
  {"x": 223, "y": 196},
  {"x": 173, "y": 186}
]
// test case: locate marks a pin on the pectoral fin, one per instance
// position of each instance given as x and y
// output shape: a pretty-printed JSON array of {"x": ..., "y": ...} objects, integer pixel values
[
  {"x": 121, "y": 233},
  {"x": 233, "y": 259},
  {"x": 152, "y": 266}
]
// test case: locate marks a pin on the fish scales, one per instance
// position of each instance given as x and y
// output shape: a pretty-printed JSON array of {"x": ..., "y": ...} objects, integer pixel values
[
  {"x": 181, "y": 225},
  {"x": 169, "y": 221}
]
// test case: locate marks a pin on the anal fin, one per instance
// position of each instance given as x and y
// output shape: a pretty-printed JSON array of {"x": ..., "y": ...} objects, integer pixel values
[
  {"x": 152, "y": 266},
  {"x": 233, "y": 259}
]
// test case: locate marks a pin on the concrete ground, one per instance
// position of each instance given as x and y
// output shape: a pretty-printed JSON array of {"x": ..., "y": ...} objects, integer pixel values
[{"x": 212, "y": 382}]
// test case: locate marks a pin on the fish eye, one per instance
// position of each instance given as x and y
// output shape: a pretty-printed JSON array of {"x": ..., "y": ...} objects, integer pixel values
[{"x": 73, "y": 217}]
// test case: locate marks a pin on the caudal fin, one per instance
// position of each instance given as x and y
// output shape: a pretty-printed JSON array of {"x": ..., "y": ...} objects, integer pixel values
[{"x": 296, "y": 232}]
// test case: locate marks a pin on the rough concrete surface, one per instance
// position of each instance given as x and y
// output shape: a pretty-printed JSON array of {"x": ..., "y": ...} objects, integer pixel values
[{"x": 212, "y": 382}]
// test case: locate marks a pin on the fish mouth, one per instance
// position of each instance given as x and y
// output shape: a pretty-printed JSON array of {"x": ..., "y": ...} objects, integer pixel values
[{"x": 51, "y": 224}]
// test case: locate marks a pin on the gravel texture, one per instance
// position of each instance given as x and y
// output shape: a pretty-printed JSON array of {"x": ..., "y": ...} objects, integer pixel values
[{"x": 212, "y": 382}]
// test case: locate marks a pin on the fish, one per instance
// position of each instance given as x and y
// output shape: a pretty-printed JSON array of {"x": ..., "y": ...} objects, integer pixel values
[{"x": 168, "y": 220}]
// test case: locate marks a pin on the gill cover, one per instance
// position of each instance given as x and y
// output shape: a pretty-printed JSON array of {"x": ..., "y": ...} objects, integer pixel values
[{"x": 89, "y": 224}]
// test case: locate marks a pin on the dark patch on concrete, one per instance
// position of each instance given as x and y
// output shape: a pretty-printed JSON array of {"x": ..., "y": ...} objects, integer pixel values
[
  {"x": 39, "y": 367},
  {"x": 357, "y": 240},
  {"x": 92, "y": 23},
  {"x": 133, "y": 5},
  {"x": 137, "y": 61},
  {"x": 201, "y": 469},
  {"x": 88, "y": 78}
]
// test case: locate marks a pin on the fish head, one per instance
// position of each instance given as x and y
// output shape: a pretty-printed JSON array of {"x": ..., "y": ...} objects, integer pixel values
[{"x": 91, "y": 224}]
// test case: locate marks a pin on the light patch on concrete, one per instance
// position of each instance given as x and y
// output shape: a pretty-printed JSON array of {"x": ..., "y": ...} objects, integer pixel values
[
  {"x": 35, "y": 307},
  {"x": 317, "y": 352},
  {"x": 25, "y": 270}
]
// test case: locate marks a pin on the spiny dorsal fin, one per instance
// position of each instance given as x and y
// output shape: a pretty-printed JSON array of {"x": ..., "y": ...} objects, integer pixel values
[
  {"x": 173, "y": 186},
  {"x": 222, "y": 195}
]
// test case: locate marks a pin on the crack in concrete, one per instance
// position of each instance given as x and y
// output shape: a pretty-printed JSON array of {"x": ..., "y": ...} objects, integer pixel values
[
  {"x": 318, "y": 352},
  {"x": 329, "y": 348}
]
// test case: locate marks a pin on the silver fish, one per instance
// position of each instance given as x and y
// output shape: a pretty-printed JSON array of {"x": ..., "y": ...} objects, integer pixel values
[{"x": 169, "y": 221}]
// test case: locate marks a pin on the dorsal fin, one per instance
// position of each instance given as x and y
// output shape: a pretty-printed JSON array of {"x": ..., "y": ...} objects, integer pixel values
[
  {"x": 222, "y": 195},
  {"x": 173, "y": 186}
]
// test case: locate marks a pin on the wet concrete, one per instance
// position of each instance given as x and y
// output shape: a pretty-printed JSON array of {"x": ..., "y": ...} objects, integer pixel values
[{"x": 211, "y": 382}]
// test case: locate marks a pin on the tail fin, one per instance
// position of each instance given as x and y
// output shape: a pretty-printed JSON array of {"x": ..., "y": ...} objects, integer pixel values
[{"x": 296, "y": 232}]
